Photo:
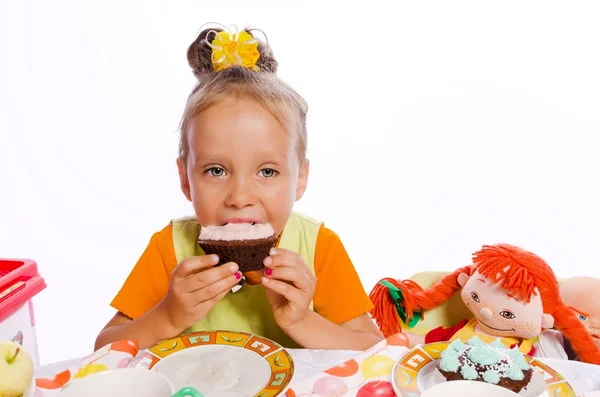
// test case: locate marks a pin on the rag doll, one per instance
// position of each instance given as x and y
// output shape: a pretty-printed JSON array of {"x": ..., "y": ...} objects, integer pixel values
[{"x": 513, "y": 294}]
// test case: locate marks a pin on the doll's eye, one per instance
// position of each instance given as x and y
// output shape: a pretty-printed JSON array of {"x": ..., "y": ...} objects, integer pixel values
[
  {"x": 475, "y": 297},
  {"x": 506, "y": 314},
  {"x": 582, "y": 317}
]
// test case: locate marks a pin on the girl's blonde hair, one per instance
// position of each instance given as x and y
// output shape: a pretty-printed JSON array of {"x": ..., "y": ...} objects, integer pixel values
[
  {"x": 521, "y": 274},
  {"x": 262, "y": 86}
]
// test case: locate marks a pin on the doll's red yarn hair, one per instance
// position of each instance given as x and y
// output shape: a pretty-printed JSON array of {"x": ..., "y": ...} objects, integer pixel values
[{"x": 521, "y": 273}]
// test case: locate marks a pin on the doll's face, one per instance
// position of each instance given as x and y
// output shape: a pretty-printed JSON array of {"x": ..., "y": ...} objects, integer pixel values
[
  {"x": 501, "y": 314},
  {"x": 580, "y": 293}
]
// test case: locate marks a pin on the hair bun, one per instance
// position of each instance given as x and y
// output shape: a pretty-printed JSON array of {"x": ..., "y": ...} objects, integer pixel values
[{"x": 200, "y": 54}]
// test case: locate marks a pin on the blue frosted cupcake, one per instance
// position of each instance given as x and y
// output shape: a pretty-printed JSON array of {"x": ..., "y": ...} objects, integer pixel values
[{"x": 491, "y": 363}]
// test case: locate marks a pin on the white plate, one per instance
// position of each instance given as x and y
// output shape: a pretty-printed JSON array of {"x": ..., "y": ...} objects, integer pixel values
[
  {"x": 217, "y": 370},
  {"x": 416, "y": 371},
  {"x": 223, "y": 363}
]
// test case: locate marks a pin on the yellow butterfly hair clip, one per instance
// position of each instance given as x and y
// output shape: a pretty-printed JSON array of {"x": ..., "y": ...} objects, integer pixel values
[{"x": 234, "y": 49}]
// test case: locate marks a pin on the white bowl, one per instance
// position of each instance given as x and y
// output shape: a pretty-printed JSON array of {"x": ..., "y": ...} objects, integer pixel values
[
  {"x": 123, "y": 382},
  {"x": 465, "y": 388}
]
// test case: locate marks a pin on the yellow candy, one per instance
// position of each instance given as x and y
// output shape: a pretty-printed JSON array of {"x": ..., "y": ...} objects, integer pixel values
[
  {"x": 90, "y": 369},
  {"x": 376, "y": 366}
]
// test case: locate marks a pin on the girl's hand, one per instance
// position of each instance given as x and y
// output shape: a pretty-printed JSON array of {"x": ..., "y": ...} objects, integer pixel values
[
  {"x": 195, "y": 287},
  {"x": 289, "y": 285}
]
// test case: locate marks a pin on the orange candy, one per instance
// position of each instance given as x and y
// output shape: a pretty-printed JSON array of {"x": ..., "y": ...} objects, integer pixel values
[{"x": 345, "y": 370}]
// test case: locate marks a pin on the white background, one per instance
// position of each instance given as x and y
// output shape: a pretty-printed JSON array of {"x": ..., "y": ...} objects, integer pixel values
[{"x": 434, "y": 128}]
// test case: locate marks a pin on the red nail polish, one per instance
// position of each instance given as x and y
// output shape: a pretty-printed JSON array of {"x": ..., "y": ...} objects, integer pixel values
[
  {"x": 238, "y": 275},
  {"x": 268, "y": 272}
]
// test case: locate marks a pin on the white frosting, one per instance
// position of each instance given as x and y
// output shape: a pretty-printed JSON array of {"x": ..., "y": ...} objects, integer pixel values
[{"x": 236, "y": 231}]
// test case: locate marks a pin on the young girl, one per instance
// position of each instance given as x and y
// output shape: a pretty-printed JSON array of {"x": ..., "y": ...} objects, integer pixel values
[
  {"x": 513, "y": 295},
  {"x": 242, "y": 159}
]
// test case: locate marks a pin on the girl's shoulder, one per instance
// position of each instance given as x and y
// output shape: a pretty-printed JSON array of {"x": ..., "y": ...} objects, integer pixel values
[{"x": 301, "y": 217}]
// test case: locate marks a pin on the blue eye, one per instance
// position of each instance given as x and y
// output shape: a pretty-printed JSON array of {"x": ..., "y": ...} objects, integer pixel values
[
  {"x": 216, "y": 171},
  {"x": 268, "y": 173},
  {"x": 582, "y": 317}
]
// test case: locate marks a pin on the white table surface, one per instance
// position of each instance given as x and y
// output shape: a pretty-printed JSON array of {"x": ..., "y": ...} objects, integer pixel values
[
  {"x": 584, "y": 378},
  {"x": 306, "y": 363}
]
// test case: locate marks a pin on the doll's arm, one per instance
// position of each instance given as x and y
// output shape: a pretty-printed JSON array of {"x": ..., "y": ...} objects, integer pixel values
[{"x": 551, "y": 344}]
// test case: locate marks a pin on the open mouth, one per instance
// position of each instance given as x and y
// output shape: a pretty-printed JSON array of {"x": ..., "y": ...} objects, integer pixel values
[{"x": 241, "y": 221}]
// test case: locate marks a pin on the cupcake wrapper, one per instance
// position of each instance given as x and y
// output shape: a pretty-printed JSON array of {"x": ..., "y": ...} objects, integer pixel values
[
  {"x": 248, "y": 254},
  {"x": 536, "y": 386}
]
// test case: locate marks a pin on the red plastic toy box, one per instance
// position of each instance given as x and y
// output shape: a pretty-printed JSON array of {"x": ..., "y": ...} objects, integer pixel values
[{"x": 20, "y": 281}]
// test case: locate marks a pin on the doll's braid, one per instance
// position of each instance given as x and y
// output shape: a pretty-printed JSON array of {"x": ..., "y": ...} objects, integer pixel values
[{"x": 414, "y": 298}]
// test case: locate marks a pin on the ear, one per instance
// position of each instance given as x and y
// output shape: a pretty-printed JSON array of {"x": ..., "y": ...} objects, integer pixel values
[
  {"x": 302, "y": 179},
  {"x": 547, "y": 321},
  {"x": 183, "y": 179},
  {"x": 462, "y": 279}
]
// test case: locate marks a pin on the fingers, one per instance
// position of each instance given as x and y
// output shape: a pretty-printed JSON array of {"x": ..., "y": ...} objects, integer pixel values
[
  {"x": 197, "y": 272},
  {"x": 195, "y": 264},
  {"x": 214, "y": 292},
  {"x": 213, "y": 301},
  {"x": 288, "y": 275},
  {"x": 292, "y": 275},
  {"x": 282, "y": 258},
  {"x": 200, "y": 280},
  {"x": 291, "y": 293}
]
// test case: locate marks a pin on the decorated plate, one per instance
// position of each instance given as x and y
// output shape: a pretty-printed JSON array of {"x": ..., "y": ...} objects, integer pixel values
[
  {"x": 410, "y": 375},
  {"x": 222, "y": 363}
]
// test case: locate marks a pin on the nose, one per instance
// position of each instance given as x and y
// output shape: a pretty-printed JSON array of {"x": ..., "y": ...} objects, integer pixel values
[
  {"x": 241, "y": 193},
  {"x": 486, "y": 313}
]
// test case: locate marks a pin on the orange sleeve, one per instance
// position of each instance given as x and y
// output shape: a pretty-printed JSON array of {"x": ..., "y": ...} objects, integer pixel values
[
  {"x": 339, "y": 294},
  {"x": 148, "y": 282}
]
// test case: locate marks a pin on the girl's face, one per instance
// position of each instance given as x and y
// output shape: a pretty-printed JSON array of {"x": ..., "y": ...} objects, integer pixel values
[
  {"x": 242, "y": 166},
  {"x": 500, "y": 313}
]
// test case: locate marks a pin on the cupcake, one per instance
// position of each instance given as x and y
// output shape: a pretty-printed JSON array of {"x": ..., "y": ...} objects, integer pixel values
[
  {"x": 247, "y": 244},
  {"x": 491, "y": 363}
]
